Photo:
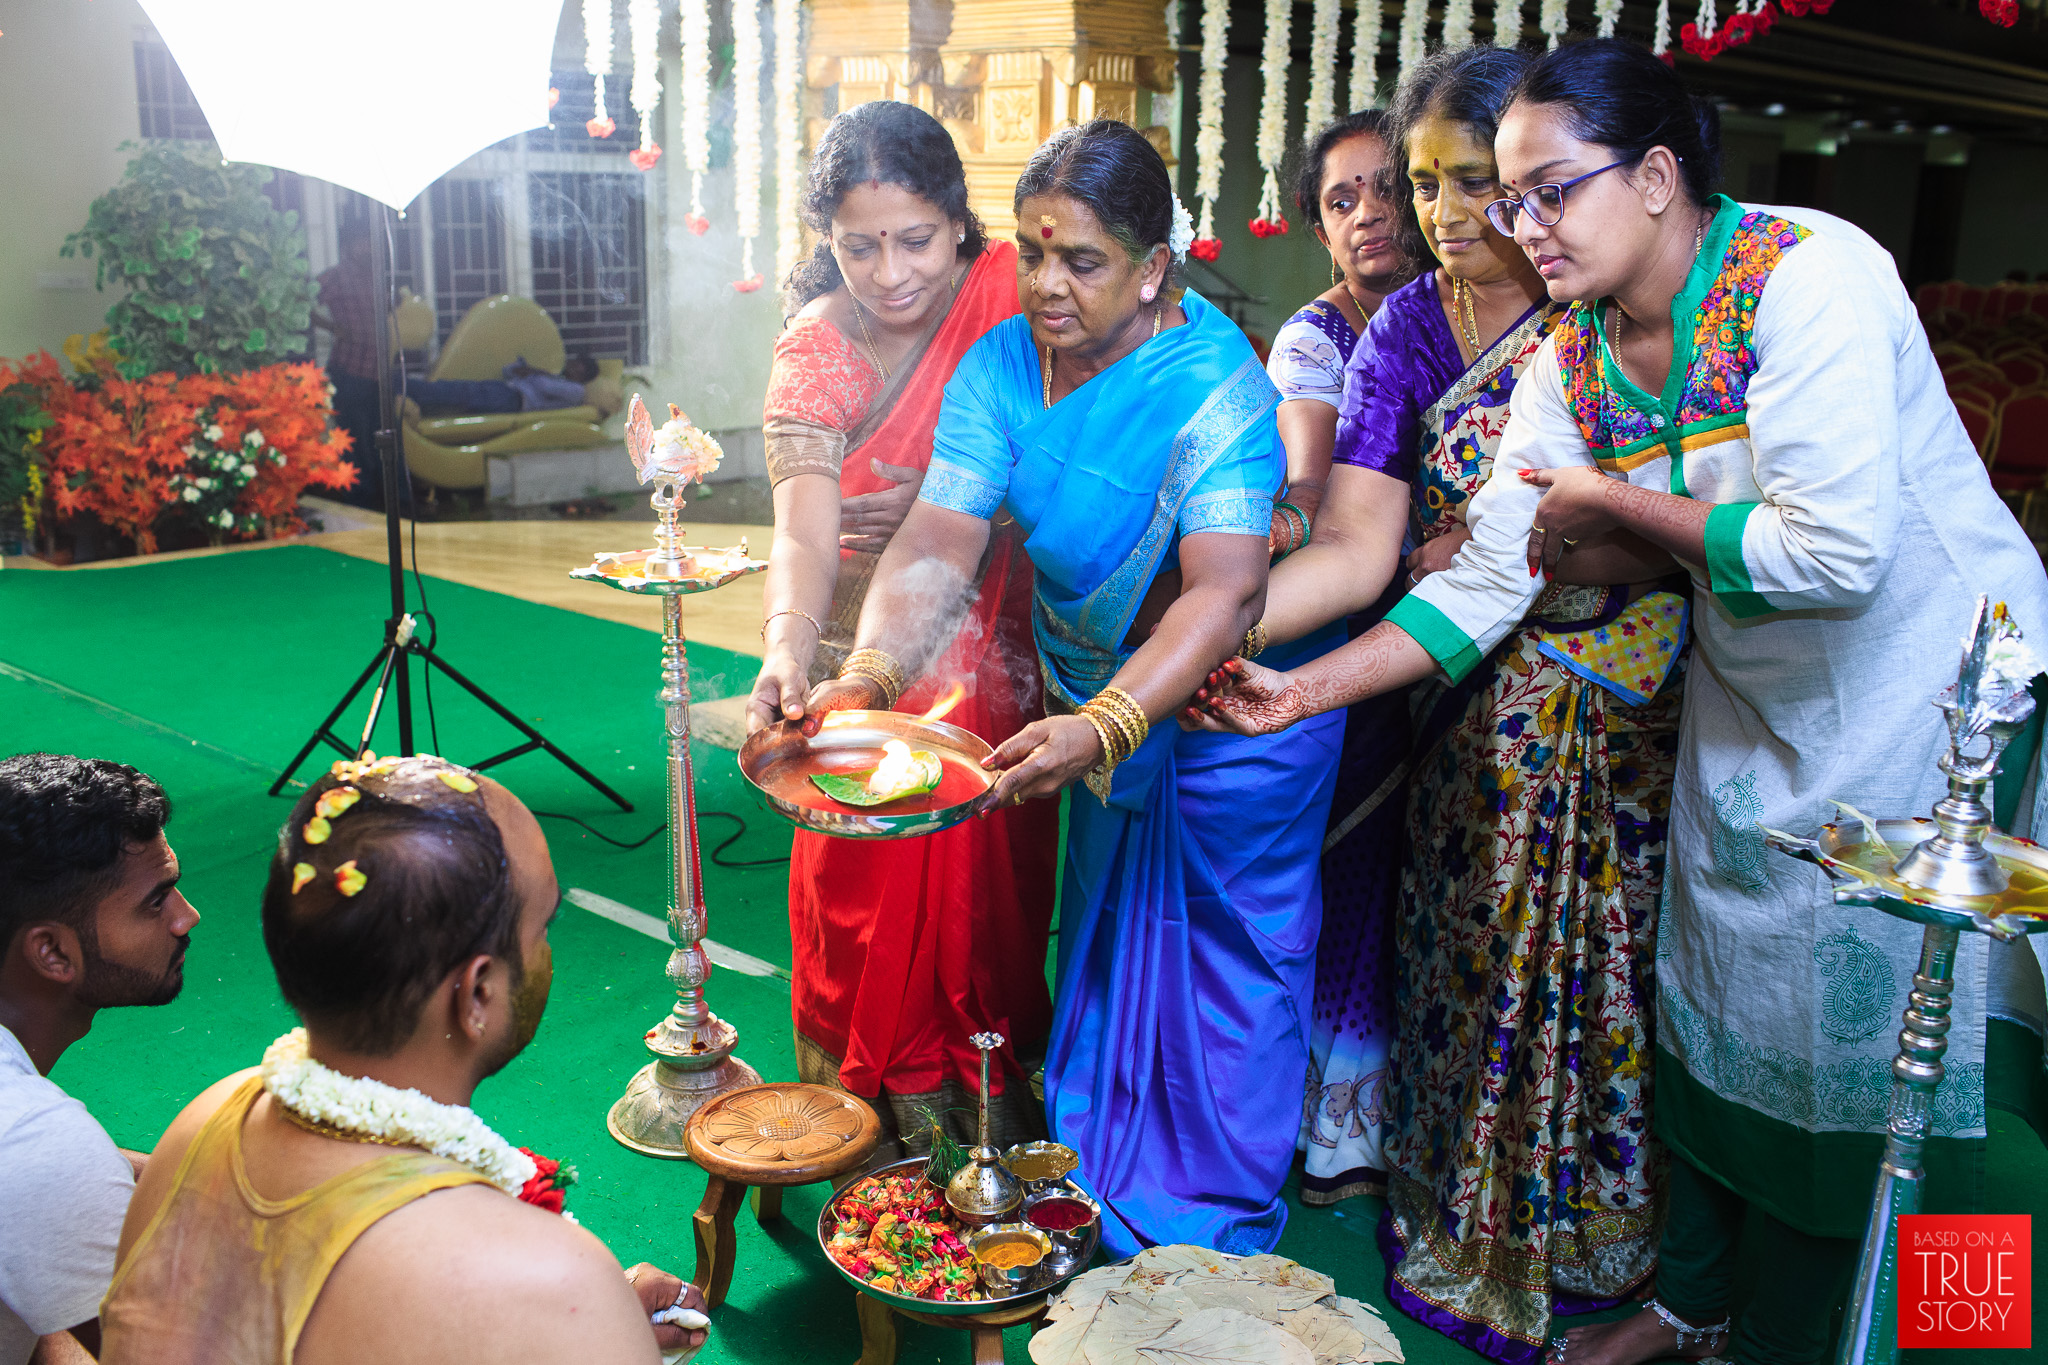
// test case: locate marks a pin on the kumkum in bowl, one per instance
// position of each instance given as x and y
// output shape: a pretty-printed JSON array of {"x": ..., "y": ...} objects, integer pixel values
[{"x": 1070, "y": 1219}]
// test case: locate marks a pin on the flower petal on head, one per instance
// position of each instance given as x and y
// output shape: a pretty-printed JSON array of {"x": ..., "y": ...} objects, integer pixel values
[
  {"x": 336, "y": 800},
  {"x": 461, "y": 782},
  {"x": 301, "y": 874},
  {"x": 317, "y": 829},
  {"x": 349, "y": 879}
]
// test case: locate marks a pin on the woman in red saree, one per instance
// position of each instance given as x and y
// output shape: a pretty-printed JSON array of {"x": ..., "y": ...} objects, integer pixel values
[{"x": 906, "y": 948}]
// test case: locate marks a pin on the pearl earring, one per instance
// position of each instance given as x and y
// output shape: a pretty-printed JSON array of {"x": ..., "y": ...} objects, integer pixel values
[
  {"x": 960, "y": 237},
  {"x": 1146, "y": 293}
]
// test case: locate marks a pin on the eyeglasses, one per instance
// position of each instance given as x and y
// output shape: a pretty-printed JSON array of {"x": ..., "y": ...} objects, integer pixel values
[{"x": 1545, "y": 203}]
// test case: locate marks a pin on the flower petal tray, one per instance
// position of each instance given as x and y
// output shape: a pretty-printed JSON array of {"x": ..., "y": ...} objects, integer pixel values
[{"x": 1058, "y": 1268}]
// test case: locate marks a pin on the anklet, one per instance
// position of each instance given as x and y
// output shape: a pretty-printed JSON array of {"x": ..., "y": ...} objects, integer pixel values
[{"x": 1688, "y": 1335}]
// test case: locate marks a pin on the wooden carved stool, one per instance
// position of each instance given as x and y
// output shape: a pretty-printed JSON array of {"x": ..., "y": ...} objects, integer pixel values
[
  {"x": 878, "y": 1328},
  {"x": 764, "y": 1138}
]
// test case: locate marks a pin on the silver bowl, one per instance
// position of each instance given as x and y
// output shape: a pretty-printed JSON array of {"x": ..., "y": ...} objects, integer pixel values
[
  {"x": 1015, "y": 1279},
  {"x": 1055, "y": 1153},
  {"x": 779, "y": 760},
  {"x": 1068, "y": 1242}
]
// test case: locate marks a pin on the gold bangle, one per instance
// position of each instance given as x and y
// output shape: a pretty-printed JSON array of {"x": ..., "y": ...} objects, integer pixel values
[
  {"x": 790, "y": 611},
  {"x": 1141, "y": 724},
  {"x": 872, "y": 665},
  {"x": 1254, "y": 641},
  {"x": 1130, "y": 713},
  {"x": 1123, "y": 713}
]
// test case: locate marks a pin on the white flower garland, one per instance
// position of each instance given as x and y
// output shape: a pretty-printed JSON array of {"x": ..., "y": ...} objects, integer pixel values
[
  {"x": 1708, "y": 19},
  {"x": 1367, "y": 26},
  {"x": 789, "y": 136},
  {"x": 1181, "y": 235},
  {"x": 1554, "y": 20},
  {"x": 1274, "y": 59},
  {"x": 1209, "y": 115},
  {"x": 1412, "y": 43},
  {"x": 1457, "y": 23},
  {"x": 1607, "y": 13},
  {"x": 1661, "y": 42},
  {"x": 746, "y": 133},
  {"x": 357, "y": 1104},
  {"x": 696, "y": 100},
  {"x": 1507, "y": 22},
  {"x": 643, "y": 18},
  {"x": 1322, "y": 67},
  {"x": 597, "y": 50}
]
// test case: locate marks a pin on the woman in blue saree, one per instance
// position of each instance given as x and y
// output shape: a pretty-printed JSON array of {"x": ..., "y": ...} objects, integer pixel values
[{"x": 1132, "y": 438}]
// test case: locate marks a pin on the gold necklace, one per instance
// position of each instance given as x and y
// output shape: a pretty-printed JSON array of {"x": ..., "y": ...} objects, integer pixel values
[
  {"x": 1468, "y": 319},
  {"x": 1158, "y": 314},
  {"x": 328, "y": 1130},
  {"x": 860, "y": 316}
]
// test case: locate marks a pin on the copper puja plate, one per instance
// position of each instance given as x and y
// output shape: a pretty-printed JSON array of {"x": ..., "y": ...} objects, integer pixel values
[
  {"x": 1054, "y": 1271},
  {"x": 780, "y": 761},
  {"x": 1863, "y": 875},
  {"x": 703, "y": 570}
]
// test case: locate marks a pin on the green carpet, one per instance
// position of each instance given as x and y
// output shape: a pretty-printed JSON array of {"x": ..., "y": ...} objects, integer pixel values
[{"x": 208, "y": 673}]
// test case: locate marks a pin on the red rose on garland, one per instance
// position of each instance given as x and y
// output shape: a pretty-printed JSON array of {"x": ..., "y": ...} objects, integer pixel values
[
  {"x": 1206, "y": 248},
  {"x": 549, "y": 1188}
]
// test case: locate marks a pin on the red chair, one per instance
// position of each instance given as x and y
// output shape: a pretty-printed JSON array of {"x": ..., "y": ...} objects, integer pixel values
[
  {"x": 2019, "y": 466},
  {"x": 1970, "y": 299},
  {"x": 2024, "y": 369}
]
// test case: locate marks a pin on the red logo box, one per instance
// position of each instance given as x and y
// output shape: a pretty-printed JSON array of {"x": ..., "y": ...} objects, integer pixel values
[{"x": 1966, "y": 1280}]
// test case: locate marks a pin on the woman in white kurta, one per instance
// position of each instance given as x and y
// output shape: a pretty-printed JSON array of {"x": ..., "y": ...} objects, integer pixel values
[{"x": 1751, "y": 391}]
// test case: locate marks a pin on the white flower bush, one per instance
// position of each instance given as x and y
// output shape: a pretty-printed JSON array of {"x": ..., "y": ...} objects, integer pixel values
[{"x": 215, "y": 474}]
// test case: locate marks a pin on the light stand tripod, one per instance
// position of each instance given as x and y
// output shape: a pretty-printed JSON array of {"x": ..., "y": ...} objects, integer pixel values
[{"x": 400, "y": 636}]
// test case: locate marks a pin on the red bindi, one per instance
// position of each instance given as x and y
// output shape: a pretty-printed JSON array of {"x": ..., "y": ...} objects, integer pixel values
[
  {"x": 1435, "y": 165},
  {"x": 1045, "y": 232},
  {"x": 885, "y": 232}
]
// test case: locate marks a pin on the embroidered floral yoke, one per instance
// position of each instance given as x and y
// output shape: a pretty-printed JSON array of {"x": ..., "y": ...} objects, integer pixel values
[{"x": 1853, "y": 526}]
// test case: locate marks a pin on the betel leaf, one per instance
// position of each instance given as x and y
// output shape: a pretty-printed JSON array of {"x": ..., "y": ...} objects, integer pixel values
[{"x": 851, "y": 789}]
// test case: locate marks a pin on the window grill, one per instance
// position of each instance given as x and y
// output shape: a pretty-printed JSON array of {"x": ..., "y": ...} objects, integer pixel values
[
  {"x": 162, "y": 98},
  {"x": 590, "y": 259},
  {"x": 468, "y": 220}
]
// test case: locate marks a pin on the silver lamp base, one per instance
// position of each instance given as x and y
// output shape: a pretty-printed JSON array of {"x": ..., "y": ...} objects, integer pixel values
[{"x": 660, "y": 1100}]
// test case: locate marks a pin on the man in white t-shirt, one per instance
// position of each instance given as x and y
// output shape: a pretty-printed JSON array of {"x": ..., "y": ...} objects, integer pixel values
[{"x": 90, "y": 917}]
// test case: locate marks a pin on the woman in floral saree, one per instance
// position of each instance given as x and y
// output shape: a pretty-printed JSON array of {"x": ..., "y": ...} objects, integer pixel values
[
  {"x": 898, "y": 946},
  {"x": 1519, "y": 1186},
  {"x": 1130, "y": 435}
]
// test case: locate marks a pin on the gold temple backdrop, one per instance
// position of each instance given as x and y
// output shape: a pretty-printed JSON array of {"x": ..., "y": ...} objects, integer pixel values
[{"x": 1002, "y": 75}]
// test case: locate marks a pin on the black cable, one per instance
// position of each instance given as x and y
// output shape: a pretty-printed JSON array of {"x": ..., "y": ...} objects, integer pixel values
[{"x": 735, "y": 837}]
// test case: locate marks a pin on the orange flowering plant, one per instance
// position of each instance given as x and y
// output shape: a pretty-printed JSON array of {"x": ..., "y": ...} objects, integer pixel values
[{"x": 123, "y": 451}]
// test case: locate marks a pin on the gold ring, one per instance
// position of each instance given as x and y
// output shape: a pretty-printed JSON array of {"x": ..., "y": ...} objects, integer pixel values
[
  {"x": 1541, "y": 531},
  {"x": 1569, "y": 542}
]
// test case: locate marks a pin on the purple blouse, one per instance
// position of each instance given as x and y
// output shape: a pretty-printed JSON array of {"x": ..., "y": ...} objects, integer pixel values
[{"x": 1406, "y": 360}]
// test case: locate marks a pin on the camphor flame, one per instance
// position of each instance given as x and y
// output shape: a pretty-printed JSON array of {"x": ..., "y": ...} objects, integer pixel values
[
  {"x": 945, "y": 703},
  {"x": 895, "y": 771}
]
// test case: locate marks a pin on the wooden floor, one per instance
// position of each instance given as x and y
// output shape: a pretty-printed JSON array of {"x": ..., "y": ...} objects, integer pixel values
[{"x": 531, "y": 560}]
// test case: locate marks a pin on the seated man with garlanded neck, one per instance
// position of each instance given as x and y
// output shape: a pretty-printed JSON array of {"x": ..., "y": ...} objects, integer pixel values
[{"x": 341, "y": 1202}]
